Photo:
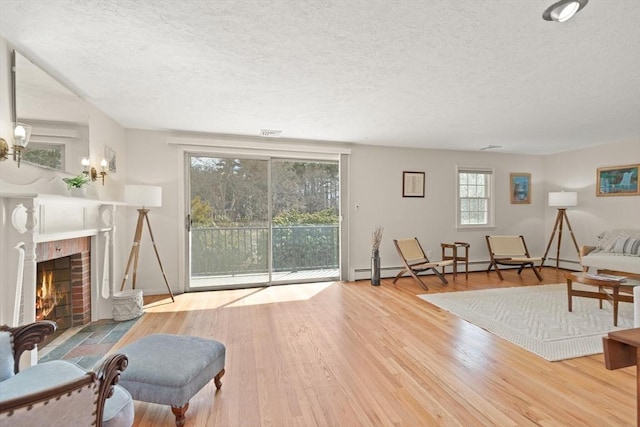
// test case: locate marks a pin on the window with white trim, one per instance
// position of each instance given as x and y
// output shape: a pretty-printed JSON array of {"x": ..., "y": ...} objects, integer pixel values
[{"x": 475, "y": 197}]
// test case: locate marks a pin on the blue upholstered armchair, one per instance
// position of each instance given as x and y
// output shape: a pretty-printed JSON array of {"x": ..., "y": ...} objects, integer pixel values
[{"x": 58, "y": 390}]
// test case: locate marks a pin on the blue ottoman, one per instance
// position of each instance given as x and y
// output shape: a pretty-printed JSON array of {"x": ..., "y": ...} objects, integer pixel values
[{"x": 171, "y": 369}]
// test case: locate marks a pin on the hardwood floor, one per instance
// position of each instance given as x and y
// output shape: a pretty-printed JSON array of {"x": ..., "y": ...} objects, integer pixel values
[{"x": 350, "y": 354}]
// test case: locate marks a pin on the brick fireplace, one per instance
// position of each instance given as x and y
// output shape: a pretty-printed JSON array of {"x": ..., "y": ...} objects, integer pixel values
[
  {"x": 63, "y": 284},
  {"x": 43, "y": 227}
]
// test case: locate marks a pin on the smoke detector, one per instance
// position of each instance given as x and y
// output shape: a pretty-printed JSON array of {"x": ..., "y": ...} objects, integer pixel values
[{"x": 270, "y": 133}]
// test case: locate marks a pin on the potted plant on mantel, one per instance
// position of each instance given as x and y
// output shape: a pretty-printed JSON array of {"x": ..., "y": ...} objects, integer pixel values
[
  {"x": 376, "y": 239},
  {"x": 76, "y": 185}
]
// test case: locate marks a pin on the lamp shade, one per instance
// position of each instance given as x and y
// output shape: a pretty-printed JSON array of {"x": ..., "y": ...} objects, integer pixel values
[
  {"x": 21, "y": 134},
  {"x": 147, "y": 196},
  {"x": 563, "y": 198}
]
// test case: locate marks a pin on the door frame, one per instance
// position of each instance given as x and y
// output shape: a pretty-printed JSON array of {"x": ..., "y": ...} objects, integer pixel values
[{"x": 338, "y": 154}]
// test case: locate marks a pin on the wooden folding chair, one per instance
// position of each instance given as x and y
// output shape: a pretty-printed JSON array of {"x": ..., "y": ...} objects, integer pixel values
[
  {"x": 415, "y": 261},
  {"x": 510, "y": 250}
]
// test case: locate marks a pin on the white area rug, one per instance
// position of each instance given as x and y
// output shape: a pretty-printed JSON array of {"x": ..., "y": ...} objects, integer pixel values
[{"x": 537, "y": 318}]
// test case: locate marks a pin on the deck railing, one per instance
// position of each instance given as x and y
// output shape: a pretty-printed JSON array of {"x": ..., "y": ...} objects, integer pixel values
[{"x": 238, "y": 250}]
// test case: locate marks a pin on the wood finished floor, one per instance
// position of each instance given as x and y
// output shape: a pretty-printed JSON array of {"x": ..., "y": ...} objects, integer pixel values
[{"x": 350, "y": 354}]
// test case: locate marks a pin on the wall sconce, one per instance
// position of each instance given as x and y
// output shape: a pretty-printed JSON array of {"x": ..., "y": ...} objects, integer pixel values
[
  {"x": 21, "y": 136},
  {"x": 87, "y": 169}
]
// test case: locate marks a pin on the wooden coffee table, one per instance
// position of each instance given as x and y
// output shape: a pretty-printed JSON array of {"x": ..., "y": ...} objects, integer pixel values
[{"x": 607, "y": 290}]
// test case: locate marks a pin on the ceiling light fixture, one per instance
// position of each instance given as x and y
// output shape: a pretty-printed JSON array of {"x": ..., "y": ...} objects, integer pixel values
[
  {"x": 270, "y": 133},
  {"x": 563, "y": 10}
]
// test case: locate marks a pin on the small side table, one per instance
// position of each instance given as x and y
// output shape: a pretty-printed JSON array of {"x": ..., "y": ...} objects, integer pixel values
[
  {"x": 620, "y": 351},
  {"x": 456, "y": 257}
]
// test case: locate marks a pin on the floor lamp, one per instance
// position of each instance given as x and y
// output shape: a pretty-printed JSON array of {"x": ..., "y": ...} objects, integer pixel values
[
  {"x": 561, "y": 200},
  {"x": 146, "y": 196}
]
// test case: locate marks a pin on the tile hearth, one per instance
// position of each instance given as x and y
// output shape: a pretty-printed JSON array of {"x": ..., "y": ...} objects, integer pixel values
[{"x": 86, "y": 345}]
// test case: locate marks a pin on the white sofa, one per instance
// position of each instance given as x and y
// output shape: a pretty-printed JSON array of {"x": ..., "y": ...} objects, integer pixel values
[{"x": 617, "y": 251}]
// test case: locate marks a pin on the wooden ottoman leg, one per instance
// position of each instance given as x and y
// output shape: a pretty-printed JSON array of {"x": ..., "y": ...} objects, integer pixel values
[
  {"x": 216, "y": 379},
  {"x": 179, "y": 413}
]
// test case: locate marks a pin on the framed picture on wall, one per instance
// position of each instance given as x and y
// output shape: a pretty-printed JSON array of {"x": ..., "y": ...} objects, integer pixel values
[
  {"x": 520, "y": 188},
  {"x": 412, "y": 184},
  {"x": 618, "y": 181},
  {"x": 110, "y": 155}
]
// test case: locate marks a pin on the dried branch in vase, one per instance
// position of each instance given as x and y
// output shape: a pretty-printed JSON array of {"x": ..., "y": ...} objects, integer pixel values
[{"x": 376, "y": 238}]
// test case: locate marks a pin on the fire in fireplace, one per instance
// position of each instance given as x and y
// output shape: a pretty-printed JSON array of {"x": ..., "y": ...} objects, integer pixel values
[
  {"x": 54, "y": 292},
  {"x": 63, "y": 282},
  {"x": 47, "y": 296}
]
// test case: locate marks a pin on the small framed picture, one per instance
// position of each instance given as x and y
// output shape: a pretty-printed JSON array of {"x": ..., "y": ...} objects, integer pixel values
[
  {"x": 520, "y": 188},
  {"x": 110, "y": 155},
  {"x": 412, "y": 184},
  {"x": 618, "y": 181}
]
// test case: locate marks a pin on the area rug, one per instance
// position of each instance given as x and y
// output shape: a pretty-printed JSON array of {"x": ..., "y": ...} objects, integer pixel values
[{"x": 537, "y": 318}]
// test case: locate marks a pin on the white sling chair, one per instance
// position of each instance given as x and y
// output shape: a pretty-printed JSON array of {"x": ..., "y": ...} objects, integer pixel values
[
  {"x": 510, "y": 250},
  {"x": 415, "y": 261}
]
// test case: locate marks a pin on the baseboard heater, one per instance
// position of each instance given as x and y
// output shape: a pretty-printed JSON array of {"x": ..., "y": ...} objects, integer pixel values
[{"x": 391, "y": 272}]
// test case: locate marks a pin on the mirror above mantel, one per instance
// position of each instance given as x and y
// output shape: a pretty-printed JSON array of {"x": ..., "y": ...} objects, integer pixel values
[{"x": 58, "y": 118}]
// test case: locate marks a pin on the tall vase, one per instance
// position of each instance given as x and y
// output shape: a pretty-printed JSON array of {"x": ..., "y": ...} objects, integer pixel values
[{"x": 375, "y": 268}]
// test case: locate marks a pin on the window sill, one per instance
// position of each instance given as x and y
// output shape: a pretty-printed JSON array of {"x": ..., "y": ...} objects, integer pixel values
[{"x": 475, "y": 227}]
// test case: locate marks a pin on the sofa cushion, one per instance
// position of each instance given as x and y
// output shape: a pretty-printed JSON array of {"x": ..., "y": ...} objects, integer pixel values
[
  {"x": 6, "y": 356},
  {"x": 627, "y": 246},
  {"x": 608, "y": 239},
  {"x": 40, "y": 377}
]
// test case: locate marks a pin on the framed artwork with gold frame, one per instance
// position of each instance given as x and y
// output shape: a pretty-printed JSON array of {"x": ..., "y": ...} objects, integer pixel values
[
  {"x": 618, "y": 181},
  {"x": 520, "y": 188}
]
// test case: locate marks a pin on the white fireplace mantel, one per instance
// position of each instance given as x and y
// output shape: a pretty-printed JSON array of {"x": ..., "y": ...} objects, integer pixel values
[
  {"x": 31, "y": 218},
  {"x": 59, "y": 217}
]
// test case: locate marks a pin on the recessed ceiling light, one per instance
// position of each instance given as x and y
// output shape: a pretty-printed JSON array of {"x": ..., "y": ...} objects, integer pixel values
[
  {"x": 270, "y": 133},
  {"x": 563, "y": 10}
]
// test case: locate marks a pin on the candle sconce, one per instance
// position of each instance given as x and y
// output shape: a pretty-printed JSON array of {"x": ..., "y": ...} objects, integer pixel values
[
  {"x": 89, "y": 170},
  {"x": 21, "y": 136}
]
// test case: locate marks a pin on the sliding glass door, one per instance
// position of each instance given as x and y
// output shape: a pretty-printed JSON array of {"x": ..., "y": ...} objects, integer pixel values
[
  {"x": 254, "y": 222},
  {"x": 229, "y": 219},
  {"x": 304, "y": 220}
]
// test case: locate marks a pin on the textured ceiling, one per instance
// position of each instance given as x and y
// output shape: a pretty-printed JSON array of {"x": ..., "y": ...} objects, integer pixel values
[{"x": 457, "y": 75}]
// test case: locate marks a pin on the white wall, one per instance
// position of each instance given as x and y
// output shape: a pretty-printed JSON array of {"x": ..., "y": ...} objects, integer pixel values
[
  {"x": 154, "y": 162},
  {"x": 576, "y": 171},
  {"x": 5, "y": 91},
  {"x": 104, "y": 131},
  {"x": 375, "y": 174},
  {"x": 375, "y": 187},
  {"x": 376, "y": 199}
]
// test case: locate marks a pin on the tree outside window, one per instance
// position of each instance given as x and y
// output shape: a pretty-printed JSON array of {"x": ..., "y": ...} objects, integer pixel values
[{"x": 475, "y": 198}]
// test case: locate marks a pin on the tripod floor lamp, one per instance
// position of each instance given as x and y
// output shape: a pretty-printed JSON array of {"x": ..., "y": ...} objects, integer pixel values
[
  {"x": 562, "y": 200},
  {"x": 146, "y": 196}
]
